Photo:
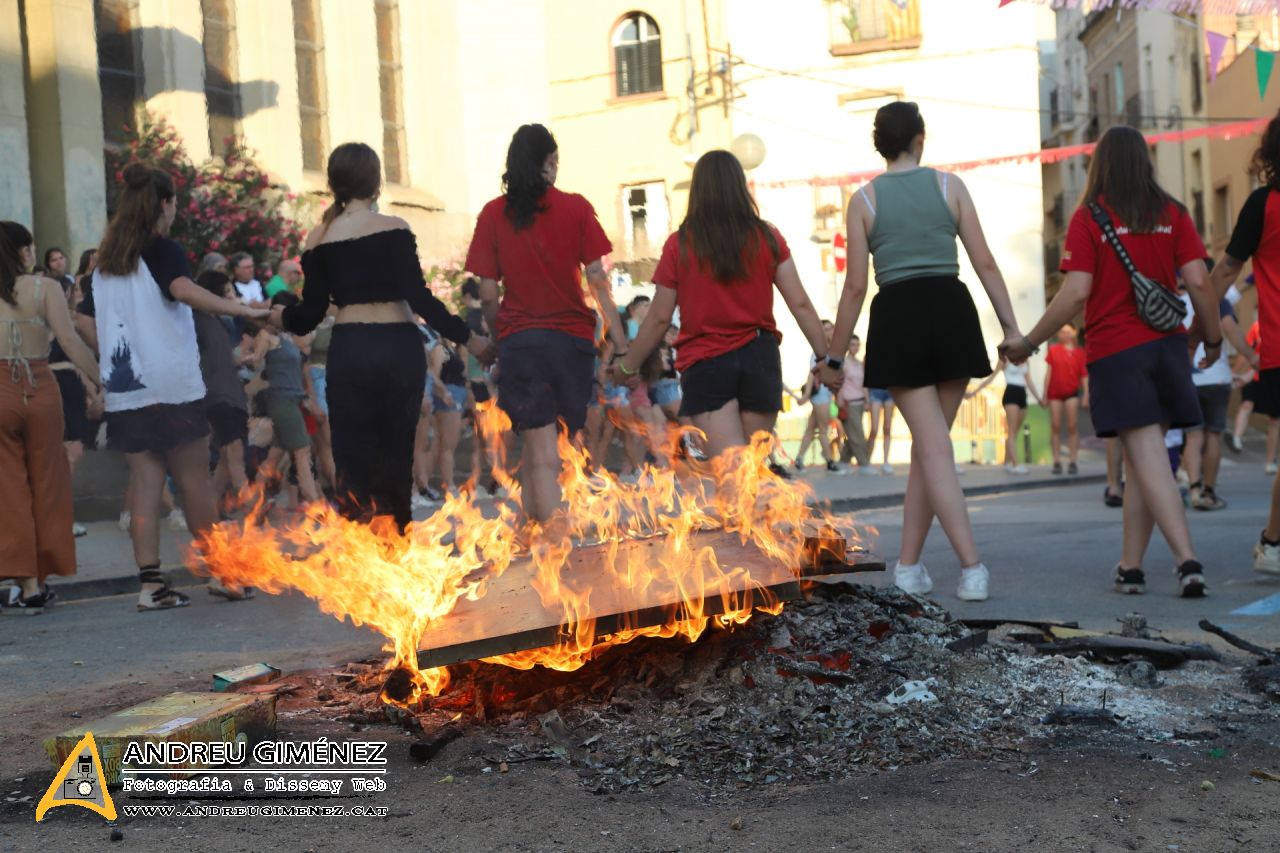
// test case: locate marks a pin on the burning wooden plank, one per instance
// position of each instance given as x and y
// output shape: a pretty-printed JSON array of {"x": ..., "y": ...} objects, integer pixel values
[{"x": 513, "y": 617}]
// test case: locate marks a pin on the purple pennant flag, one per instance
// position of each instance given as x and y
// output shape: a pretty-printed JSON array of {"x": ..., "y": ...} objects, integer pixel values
[
  {"x": 1217, "y": 44},
  {"x": 901, "y": 4}
]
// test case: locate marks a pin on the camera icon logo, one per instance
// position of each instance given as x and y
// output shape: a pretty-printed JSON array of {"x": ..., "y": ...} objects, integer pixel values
[{"x": 80, "y": 782}]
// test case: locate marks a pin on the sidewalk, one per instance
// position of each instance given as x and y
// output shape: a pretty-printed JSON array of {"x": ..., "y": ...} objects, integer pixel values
[{"x": 105, "y": 556}]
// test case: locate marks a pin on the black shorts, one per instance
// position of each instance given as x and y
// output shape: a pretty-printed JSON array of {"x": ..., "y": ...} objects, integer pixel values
[
  {"x": 1014, "y": 395},
  {"x": 1265, "y": 399},
  {"x": 1144, "y": 385},
  {"x": 157, "y": 428},
  {"x": 924, "y": 331},
  {"x": 228, "y": 423},
  {"x": 1214, "y": 401},
  {"x": 546, "y": 376},
  {"x": 75, "y": 423},
  {"x": 480, "y": 390},
  {"x": 751, "y": 374}
]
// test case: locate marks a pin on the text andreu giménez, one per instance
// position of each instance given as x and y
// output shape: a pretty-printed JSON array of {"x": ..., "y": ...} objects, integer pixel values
[{"x": 316, "y": 753}]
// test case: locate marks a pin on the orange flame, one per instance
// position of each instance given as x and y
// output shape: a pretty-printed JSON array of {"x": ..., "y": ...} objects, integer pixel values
[{"x": 401, "y": 585}]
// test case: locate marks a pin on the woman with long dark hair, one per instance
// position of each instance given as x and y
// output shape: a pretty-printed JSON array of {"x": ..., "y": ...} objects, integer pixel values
[
  {"x": 924, "y": 340},
  {"x": 1139, "y": 377},
  {"x": 35, "y": 489},
  {"x": 536, "y": 240},
  {"x": 1257, "y": 236},
  {"x": 720, "y": 269},
  {"x": 367, "y": 264},
  {"x": 141, "y": 302}
]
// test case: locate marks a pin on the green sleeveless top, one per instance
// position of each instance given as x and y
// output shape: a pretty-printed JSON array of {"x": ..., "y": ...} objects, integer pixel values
[{"x": 914, "y": 233}]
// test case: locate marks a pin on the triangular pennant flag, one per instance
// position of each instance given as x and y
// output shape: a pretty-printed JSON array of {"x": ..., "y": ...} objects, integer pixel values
[
  {"x": 1004, "y": 3},
  {"x": 79, "y": 782},
  {"x": 1264, "y": 60},
  {"x": 1217, "y": 44}
]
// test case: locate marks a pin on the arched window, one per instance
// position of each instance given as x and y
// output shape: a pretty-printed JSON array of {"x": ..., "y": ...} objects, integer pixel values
[{"x": 637, "y": 55}]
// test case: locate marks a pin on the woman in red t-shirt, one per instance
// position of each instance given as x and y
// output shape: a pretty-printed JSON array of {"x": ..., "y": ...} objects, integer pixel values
[
  {"x": 1066, "y": 385},
  {"x": 1139, "y": 377},
  {"x": 720, "y": 269}
]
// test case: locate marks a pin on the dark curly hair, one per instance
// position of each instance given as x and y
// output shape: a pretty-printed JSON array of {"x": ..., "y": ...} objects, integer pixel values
[
  {"x": 1266, "y": 159},
  {"x": 524, "y": 183}
]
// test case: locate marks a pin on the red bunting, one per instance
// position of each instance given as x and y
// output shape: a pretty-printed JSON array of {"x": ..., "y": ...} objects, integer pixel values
[
  {"x": 1044, "y": 155},
  {"x": 1212, "y": 7}
]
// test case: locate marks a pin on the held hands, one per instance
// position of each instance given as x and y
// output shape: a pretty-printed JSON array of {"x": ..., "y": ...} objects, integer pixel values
[
  {"x": 1211, "y": 355},
  {"x": 1015, "y": 347},
  {"x": 829, "y": 376},
  {"x": 483, "y": 348},
  {"x": 276, "y": 315}
]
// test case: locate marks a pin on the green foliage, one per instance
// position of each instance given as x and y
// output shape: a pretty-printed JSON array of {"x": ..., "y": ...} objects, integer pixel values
[{"x": 225, "y": 205}]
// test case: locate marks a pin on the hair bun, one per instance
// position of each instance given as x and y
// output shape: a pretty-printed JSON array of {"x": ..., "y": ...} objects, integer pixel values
[{"x": 137, "y": 176}]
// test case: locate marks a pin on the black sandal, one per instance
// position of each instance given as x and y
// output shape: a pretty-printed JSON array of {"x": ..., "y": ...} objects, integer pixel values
[
  {"x": 1130, "y": 581},
  {"x": 164, "y": 598}
]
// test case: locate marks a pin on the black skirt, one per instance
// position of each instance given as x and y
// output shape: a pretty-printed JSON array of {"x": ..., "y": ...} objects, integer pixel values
[{"x": 924, "y": 331}]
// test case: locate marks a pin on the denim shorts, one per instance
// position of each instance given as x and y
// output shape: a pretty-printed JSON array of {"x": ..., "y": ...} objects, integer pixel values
[
  {"x": 1144, "y": 385},
  {"x": 751, "y": 374},
  {"x": 665, "y": 392},
  {"x": 880, "y": 396},
  {"x": 546, "y": 376},
  {"x": 320, "y": 386},
  {"x": 459, "y": 395},
  {"x": 1214, "y": 402}
]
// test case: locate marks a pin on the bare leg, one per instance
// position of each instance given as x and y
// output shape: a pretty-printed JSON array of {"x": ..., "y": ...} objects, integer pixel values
[
  {"x": 1149, "y": 470},
  {"x": 1115, "y": 466},
  {"x": 1242, "y": 418},
  {"x": 1212, "y": 458},
  {"x": 1273, "y": 437},
  {"x": 725, "y": 427},
  {"x": 539, "y": 473},
  {"x": 448, "y": 429},
  {"x": 1192, "y": 454},
  {"x": 809, "y": 427},
  {"x": 1272, "y": 533},
  {"x": 146, "y": 482},
  {"x": 887, "y": 443},
  {"x": 933, "y": 487},
  {"x": 1055, "y": 430},
  {"x": 1013, "y": 423},
  {"x": 422, "y": 451},
  {"x": 306, "y": 481},
  {"x": 873, "y": 433},
  {"x": 1073, "y": 429}
]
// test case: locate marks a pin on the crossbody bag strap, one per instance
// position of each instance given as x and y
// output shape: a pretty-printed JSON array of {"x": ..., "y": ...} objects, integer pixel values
[{"x": 1109, "y": 232}]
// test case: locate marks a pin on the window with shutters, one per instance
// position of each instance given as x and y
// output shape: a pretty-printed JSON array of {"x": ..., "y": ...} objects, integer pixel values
[
  {"x": 308, "y": 48},
  {"x": 119, "y": 67},
  {"x": 637, "y": 56},
  {"x": 389, "y": 83},
  {"x": 867, "y": 26},
  {"x": 221, "y": 89}
]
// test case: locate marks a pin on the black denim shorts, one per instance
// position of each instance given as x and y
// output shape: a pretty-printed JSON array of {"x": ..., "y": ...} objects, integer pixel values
[
  {"x": 228, "y": 423},
  {"x": 1144, "y": 385},
  {"x": 545, "y": 376},
  {"x": 158, "y": 428},
  {"x": 751, "y": 374}
]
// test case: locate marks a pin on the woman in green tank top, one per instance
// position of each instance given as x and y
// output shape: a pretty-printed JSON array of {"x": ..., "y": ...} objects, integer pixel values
[{"x": 924, "y": 339}]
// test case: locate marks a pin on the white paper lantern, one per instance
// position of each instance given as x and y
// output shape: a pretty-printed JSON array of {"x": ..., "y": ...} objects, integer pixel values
[{"x": 749, "y": 149}]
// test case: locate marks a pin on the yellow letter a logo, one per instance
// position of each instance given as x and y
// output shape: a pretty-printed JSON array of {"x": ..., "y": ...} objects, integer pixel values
[{"x": 80, "y": 782}]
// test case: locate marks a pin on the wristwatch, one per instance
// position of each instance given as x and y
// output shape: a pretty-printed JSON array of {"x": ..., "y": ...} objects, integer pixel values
[{"x": 835, "y": 363}]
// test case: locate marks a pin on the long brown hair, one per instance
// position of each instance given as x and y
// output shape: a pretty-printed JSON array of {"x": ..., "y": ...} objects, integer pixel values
[
  {"x": 354, "y": 171},
  {"x": 524, "y": 183},
  {"x": 13, "y": 239},
  {"x": 133, "y": 227},
  {"x": 1121, "y": 173},
  {"x": 1265, "y": 164},
  {"x": 723, "y": 220}
]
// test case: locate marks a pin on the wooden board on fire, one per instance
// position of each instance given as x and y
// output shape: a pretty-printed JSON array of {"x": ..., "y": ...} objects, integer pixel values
[{"x": 610, "y": 588}]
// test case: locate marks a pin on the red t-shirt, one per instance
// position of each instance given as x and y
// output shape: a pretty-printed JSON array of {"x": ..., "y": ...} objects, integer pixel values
[
  {"x": 1067, "y": 370},
  {"x": 1254, "y": 340},
  {"x": 717, "y": 317},
  {"x": 1257, "y": 236},
  {"x": 1111, "y": 318},
  {"x": 540, "y": 266}
]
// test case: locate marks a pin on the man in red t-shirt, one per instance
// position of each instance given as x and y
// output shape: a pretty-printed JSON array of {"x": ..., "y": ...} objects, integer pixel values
[
  {"x": 1066, "y": 383},
  {"x": 536, "y": 240}
]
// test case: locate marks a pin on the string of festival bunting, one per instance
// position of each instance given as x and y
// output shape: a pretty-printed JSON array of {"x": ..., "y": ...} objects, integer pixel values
[{"x": 1043, "y": 155}]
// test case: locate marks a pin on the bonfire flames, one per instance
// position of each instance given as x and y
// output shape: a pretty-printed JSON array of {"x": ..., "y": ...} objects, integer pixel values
[{"x": 403, "y": 585}]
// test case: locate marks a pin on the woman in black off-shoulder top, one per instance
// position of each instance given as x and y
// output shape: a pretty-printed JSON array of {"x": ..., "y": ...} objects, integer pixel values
[{"x": 367, "y": 265}]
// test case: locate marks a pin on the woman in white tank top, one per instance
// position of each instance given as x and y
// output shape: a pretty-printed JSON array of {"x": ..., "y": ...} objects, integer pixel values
[{"x": 1017, "y": 382}]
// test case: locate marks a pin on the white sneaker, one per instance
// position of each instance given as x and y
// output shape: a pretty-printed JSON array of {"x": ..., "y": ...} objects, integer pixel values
[
  {"x": 973, "y": 583},
  {"x": 177, "y": 521},
  {"x": 78, "y": 529},
  {"x": 125, "y": 518},
  {"x": 913, "y": 579},
  {"x": 886, "y": 468},
  {"x": 1271, "y": 468},
  {"x": 419, "y": 502},
  {"x": 1266, "y": 558},
  {"x": 1020, "y": 469}
]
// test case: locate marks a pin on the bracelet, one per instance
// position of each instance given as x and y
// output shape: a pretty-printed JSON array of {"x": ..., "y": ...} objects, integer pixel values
[
  {"x": 622, "y": 368},
  {"x": 1030, "y": 348}
]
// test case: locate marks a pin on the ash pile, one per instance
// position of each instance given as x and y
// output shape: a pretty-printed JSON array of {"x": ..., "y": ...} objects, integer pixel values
[{"x": 849, "y": 678}]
